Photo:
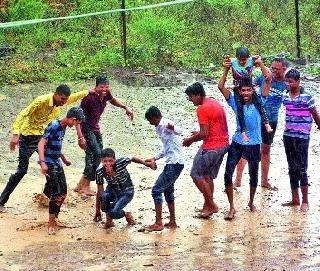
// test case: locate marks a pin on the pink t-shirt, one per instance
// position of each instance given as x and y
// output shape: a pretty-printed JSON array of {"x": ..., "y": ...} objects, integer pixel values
[{"x": 212, "y": 113}]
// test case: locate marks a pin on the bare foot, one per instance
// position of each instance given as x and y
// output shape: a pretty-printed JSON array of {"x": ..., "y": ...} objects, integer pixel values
[
  {"x": 304, "y": 207},
  {"x": 2, "y": 209},
  {"x": 203, "y": 215},
  {"x": 252, "y": 207},
  {"x": 231, "y": 214},
  {"x": 87, "y": 192},
  {"x": 199, "y": 210},
  {"x": 237, "y": 183},
  {"x": 52, "y": 229},
  {"x": 154, "y": 227},
  {"x": 291, "y": 203},
  {"x": 171, "y": 225},
  {"x": 129, "y": 218},
  {"x": 268, "y": 186},
  {"x": 108, "y": 225}
]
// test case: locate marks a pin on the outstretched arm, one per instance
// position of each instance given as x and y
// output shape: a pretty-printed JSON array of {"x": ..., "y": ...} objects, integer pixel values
[
  {"x": 118, "y": 103},
  {"x": 150, "y": 163}
]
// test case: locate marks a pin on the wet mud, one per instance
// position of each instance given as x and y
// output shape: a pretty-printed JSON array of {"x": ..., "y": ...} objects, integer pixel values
[{"x": 273, "y": 238}]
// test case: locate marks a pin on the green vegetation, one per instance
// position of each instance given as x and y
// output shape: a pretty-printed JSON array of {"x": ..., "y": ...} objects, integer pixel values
[{"x": 186, "y": 35}]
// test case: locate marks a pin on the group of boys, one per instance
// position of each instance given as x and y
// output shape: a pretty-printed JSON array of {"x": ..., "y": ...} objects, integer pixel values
[{"x": 101, "y": 165}]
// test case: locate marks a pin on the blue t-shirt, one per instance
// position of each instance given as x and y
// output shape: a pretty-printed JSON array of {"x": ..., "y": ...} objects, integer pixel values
[
  {"x": 54, "y": 133},
  {"x": 273, "y": 101},
  {"x": 252, "y": 121}
]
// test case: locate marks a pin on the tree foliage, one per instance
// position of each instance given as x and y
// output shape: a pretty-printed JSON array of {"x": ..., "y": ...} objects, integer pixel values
[{"x": 186, "y": 35}]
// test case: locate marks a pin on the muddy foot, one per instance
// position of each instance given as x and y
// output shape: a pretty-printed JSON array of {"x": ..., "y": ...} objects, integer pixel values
[
  {"x": 154, "y": 227},
  {"x": 204, "y": 215},
  {"x": 129, "y": 218},
  {"x": 291, "y": 203},
  {"x": 51, "y": 230},
  {"x": 171, "y": 225},
  {"x": 268, "y": 186},
  {"x": 304, "y": 207},
  {"x": 252, "y": 207},
  {"x": 230, "y": 215},
  {"x": 2, "y": 209}
]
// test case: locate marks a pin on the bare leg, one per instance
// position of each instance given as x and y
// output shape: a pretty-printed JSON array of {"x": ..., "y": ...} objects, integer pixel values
[
  {"x": 230, "y": 215},
  {"x": 172, "y": 222},
  {"x": 252, "y": 193},
  {"x": 52, "y": 224},
  {"x": 129, "y": 218},
  {"x": 265, "y": 166},
  {"x": 209, "y": 206},
  {"x": 305, "y": 203},
  {"x": 240, "y": 167},
  {"x": 157, "y": 226},
  {"x": 2, "y": 209},
  {"x": 295, "y": 198},
  {"x": 83, "y": 186},
  {"x": 109, "y": 222}
]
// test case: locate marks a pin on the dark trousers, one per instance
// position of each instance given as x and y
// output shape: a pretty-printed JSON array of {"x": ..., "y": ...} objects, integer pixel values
[
  {"x": 93, "y": 152},
  {"x": 27, "y": 146},
  {"x": 249, "y": 152},
  {"x": 256, "y": 102},
  {"x": 297, "y": 158},
  {"x": 55, "y": 188}
]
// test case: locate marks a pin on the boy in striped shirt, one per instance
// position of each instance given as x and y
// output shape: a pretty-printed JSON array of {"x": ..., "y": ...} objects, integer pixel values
[
  {"x": 50, "y": 156},
  {"x": 300, "y": 112},
  {"x": 119, "y": 191}
]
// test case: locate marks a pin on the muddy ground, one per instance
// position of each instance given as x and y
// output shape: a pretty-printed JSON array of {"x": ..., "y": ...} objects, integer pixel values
[{"x": 273, "y": 238}]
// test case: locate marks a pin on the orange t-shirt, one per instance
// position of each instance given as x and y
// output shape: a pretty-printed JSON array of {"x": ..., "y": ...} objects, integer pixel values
[{"x": 212, "y": 113}]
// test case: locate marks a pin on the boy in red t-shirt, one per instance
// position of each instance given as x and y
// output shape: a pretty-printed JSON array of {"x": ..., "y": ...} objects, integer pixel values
[{"x": 214, "y": 133}]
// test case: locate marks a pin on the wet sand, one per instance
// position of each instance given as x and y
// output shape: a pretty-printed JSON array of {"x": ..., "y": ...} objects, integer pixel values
[{"x": 273, "y": 238}]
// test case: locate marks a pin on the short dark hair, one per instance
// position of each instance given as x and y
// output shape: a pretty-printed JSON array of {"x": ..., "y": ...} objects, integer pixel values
[
  {"x": 63, "y": 90},
  {"x": 76, "y": 112},
  {"x": 153, "y": 111},
  {"x": 281, "y": 60},
  {"x": 195, "y": 89},
  {"x": 108, "y": 152},
  {"x": 245, "y": 81},
  {"x": 242, "y": 52},
  {"x": 101, "y": 79},
  {"x": 293, "y": 74}
]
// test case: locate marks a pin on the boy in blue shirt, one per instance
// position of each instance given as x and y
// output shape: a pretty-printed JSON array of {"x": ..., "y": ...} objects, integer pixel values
[
  {"x": 50, "y": 156},
  {"x": 249, "y": 150}
]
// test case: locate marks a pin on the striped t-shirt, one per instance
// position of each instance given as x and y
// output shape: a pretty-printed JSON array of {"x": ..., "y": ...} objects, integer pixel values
[
  {"x": 54, "y": 134},
  {"x": 121, "y": 181},
  {"x": 298, "y": 114}
]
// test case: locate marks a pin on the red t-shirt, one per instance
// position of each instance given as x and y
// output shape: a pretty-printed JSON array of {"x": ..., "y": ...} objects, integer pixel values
[{"x": 212, "y": 113}]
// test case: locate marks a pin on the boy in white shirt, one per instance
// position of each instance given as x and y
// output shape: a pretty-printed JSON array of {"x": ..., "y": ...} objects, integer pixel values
[{"x": 172, "y": 151}]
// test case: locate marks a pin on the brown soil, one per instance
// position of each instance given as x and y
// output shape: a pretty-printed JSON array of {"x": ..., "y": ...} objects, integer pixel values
[{"x": 273, "y": 238}]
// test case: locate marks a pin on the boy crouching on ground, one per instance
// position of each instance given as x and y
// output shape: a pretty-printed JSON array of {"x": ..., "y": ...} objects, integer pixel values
[{"x": 119, "y": 191}]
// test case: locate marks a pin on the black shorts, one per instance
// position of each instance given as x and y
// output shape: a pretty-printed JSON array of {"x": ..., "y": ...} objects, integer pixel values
[{"x": 267, "y": 138}]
